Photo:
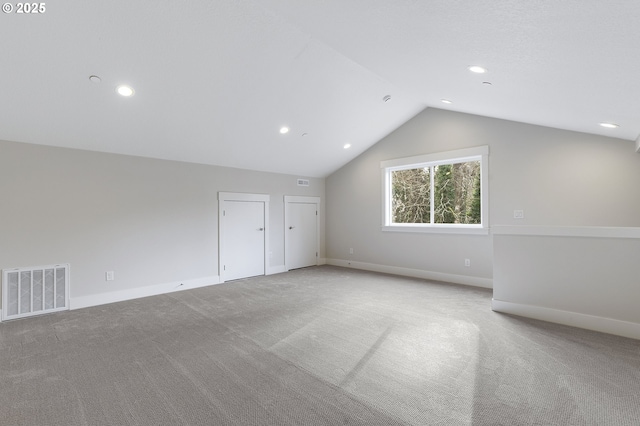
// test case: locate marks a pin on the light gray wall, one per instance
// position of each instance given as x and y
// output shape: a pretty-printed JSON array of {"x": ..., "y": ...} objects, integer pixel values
[
  {"x": 150, "y": 221},
  {"x": 594, "y": 276},
  {"x": 557, "y": 177},
  {"x": 562, "y": 178}
]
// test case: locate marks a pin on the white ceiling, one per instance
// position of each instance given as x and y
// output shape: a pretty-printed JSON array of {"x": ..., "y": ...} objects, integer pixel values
[{"x": 215, "y": 80}]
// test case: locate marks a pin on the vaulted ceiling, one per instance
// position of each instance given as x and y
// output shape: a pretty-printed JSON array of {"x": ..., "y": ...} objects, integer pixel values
[{"x": 216, "y": 80}]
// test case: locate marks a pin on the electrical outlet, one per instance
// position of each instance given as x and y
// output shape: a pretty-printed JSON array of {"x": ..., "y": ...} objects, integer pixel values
[
  {"x": 109, "y": 275},
  {"x": 351, "y": 250},
  {"x": 467, "y": 262},
  {"x": 518, "y": 214}
]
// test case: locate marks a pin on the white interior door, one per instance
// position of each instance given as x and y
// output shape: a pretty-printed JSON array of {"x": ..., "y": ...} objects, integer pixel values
[
  {"x": 243, "y": 233},
  {"x": 301, "y": 228}
]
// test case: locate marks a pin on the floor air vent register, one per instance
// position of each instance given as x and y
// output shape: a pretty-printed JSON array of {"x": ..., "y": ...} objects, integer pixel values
[{"x": 34, "y": 291}]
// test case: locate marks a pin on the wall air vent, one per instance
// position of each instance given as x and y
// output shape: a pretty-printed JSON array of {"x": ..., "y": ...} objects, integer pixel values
[
  {"x": 303, "y": 182},
  {"x": 34, "y": 291}
]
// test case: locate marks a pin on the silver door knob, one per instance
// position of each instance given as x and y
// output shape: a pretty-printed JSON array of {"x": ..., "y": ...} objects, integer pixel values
[
  {"x": 291, "y": 227},
  {"x": 260, "y": 229}
]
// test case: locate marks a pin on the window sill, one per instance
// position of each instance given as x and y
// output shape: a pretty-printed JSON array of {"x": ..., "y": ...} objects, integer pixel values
[{"x": 437, "y": 229}]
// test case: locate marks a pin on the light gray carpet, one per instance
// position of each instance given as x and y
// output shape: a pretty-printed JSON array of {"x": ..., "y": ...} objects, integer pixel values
[{"x": 317, "y": 346}]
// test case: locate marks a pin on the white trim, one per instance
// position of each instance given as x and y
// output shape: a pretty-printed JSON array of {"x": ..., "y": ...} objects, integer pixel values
[
  {"x": 574, "y": 319},
  {"x": 322, "y": 261},
  {"x": 415, "y": 273},
  {"x": 138, "y": 292},
  {"x": 446, "y": 157},
  {"x": 288, "y": 199},
  {"x": 568, "y": 231},
  {"x": 241, "y": 196},
  {"x": 438, "y": 229},
  {"x": 638, "y": 144},
  {"x": 300, "y": 199}
]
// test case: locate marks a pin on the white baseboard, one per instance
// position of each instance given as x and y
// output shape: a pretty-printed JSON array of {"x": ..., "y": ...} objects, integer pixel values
[
  {"x": 322, "y": 261},
  {"x": 568, "y": 231},
  {"x": 574, "y": 319},
  {"x": 136, "y": 293},
  {"x": 415, "y": 273}
]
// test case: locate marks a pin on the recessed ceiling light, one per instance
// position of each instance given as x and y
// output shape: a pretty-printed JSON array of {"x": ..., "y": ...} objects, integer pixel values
[
  {"x": 609, "y": 125},
  {"x": 446, "y": 101},
  {"x": 477, "y": 69},
  {"x": 347, "y": 146},
  {"x": 95, "y": 78},
  {"x": 125, "y": 90},
  {"x": 487, "y": 83},
  {"x": 284, "y": 130}
]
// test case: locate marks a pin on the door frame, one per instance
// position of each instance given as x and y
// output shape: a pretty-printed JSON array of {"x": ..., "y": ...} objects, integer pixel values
[
  {"x": 241, "y": 196},
  {"x": 295, "y": 199}
]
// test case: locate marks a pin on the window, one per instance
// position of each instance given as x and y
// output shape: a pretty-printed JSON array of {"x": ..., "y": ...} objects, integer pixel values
[{"x": 444, "y": 192}]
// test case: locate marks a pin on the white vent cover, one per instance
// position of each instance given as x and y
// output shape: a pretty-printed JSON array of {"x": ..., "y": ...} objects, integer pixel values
[
  {"x": 34, "y": 291},
  {"x": 303, "y": 182}
]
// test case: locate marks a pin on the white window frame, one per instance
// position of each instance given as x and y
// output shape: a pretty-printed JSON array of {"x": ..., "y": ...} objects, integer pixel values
[{"x": 480, "y": 153}]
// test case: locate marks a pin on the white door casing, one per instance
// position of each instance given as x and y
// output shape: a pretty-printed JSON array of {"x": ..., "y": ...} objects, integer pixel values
[
  {"x": 302, "y": 231},
  {"x": 243, "y": 236}
]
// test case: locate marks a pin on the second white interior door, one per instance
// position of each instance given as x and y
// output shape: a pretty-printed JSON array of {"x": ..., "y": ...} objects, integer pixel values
[{"x": 301, "y": 235}]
